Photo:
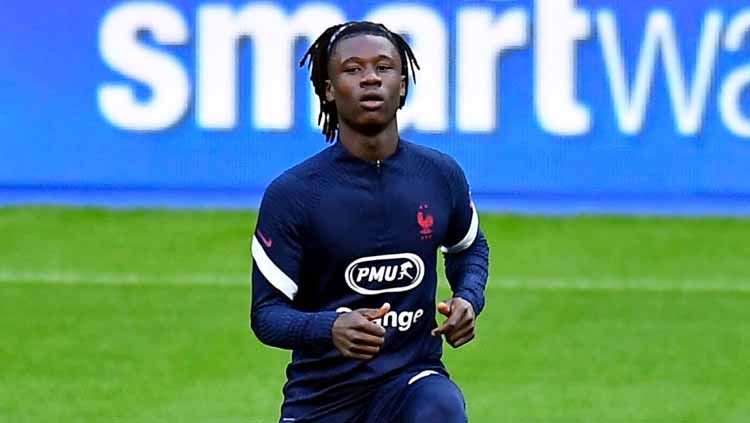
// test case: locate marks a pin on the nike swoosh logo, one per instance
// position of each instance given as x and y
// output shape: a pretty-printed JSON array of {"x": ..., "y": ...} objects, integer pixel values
[{"x": 267, "y": 242}]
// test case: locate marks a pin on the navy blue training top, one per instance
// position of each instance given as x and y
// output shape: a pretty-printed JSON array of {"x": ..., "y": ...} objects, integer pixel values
[{"x": 337, "y": 233}]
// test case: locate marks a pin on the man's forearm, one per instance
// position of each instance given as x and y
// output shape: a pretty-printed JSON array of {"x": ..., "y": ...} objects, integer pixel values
[
  {"x": 284, "y": 327},
  {"x": 467, "y": 272}
]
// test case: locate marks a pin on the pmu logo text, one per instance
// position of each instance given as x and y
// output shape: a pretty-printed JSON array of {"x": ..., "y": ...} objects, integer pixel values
[{"x": 385, "y": 273}]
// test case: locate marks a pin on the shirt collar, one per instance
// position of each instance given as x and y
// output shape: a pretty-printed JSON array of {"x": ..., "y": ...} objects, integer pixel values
[{"x": 343, "y": 155}]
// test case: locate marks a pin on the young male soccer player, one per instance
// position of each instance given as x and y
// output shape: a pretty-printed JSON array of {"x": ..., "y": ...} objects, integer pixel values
[{"x": 344, "y": 252}]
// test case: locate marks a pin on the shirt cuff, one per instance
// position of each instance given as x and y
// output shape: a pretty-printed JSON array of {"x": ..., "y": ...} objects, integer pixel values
[
  {"x": 475, "y": 298},
  {"x": 320, "y": 329}
]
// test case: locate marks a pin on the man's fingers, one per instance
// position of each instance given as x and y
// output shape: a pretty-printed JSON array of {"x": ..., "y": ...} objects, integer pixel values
[
  {"x": 439, "y": 330},
  {"x": 363, "y": 338},
  {"x": 446, "y": 327},
  {"x": 361, "y": 351},
  {"x": 370, "y": 328},
  {"x": 364, "y": 349},
  {"x": 371, "y": 314},
  {"x": 450, "y": 324},
  {"x": 359, "y": 345},
  {"x": 375, "y": 313},
  {"x": 464, "y": 340},
  {"x": 444, "y": 308},
  {"x": 358, "y": 356},
  {"x": 459, "y": 333},
  {"x": 465, "y": 322},
  {"x": 357, "y": 337}
]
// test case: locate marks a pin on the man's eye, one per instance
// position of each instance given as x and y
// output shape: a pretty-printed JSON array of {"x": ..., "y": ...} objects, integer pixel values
[
  {"x": 384, "y": 67},
  {"x": 351, "y": 70}
]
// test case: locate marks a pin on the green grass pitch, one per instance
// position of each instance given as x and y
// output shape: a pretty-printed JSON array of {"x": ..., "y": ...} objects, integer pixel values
[{"x": 141, "y": 316}]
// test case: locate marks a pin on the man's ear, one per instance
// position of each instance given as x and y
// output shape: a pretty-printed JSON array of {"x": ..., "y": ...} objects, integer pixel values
[
  {"x": 329, "y": 91},
  {"x": 402, "y": 91}
]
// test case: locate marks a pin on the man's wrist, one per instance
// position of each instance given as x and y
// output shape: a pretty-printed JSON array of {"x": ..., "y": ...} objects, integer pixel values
[{"x": 469, "y": 298}]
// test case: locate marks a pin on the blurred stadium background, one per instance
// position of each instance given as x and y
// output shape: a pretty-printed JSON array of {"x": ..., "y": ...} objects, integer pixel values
[{"x": 607, "y": 144}]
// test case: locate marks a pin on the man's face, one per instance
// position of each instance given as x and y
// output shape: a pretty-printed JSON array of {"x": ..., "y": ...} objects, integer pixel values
[{"x": 366, "y": 82}]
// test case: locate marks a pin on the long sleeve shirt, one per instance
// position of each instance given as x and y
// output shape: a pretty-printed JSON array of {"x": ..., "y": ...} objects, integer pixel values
[{"x": 337, "y": 233}]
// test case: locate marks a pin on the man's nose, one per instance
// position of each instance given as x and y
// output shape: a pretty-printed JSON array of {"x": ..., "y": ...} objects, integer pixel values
[{"x": 370, "y": 77}]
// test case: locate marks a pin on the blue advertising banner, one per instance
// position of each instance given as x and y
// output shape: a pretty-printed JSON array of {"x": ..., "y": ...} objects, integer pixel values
[{"x": 549, "y": 105}]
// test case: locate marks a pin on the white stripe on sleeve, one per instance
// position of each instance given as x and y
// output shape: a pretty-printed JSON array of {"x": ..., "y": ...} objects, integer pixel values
[
  {"x": 468, "y": 238},
  {"x": 421, "y": 375},
  {"x": 271, "y": 272}
]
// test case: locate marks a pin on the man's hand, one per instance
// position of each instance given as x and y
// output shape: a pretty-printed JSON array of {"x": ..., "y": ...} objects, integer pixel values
[
  {"x": 356, "y": 336},
  {"x": 459, "y": 327}
]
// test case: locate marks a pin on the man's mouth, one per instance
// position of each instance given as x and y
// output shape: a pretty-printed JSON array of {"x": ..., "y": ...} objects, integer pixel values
[{"x": 371, "y": 101}]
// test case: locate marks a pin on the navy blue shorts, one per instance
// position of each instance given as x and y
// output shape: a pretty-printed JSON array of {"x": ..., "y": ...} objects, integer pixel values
[{"x": 412, "y": 397}]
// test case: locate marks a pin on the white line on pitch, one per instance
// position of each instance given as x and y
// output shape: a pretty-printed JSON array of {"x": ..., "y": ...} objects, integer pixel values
[
  {"x": 113, "y": 278},
  {"x": 649, "y": 285},
  {"x": 105, "y": 278}
]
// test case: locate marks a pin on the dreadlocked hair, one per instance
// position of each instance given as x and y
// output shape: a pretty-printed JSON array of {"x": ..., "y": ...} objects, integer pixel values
[{"x": 320, "y": 51}]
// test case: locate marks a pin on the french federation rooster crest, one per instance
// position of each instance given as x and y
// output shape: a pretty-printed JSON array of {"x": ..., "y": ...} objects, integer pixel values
[{"x": 425, "y": 222}]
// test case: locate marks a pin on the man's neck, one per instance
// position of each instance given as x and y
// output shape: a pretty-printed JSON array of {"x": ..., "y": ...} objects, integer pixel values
[{"x": 370, "y": 147}]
